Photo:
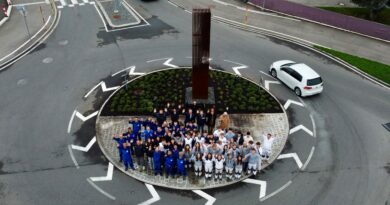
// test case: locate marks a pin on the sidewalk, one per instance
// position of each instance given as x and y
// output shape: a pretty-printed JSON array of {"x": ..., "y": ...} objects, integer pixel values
[
  {"x": 299, "y": 30},
  {"x": 14, "y": 32}
]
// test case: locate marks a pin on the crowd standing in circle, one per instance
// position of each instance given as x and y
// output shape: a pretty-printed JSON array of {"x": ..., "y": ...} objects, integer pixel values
[{"x": 176, "y": 147}]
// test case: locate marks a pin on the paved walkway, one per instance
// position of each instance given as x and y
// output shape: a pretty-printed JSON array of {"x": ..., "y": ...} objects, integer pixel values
[
  {"x": 310, "y": 33},
  {"x": 277, "y": 124},
  {"x": 14, "y": 32}
]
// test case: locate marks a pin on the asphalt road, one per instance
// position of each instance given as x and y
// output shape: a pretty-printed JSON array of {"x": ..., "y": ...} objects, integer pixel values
[{"x": 39, "y": 93}]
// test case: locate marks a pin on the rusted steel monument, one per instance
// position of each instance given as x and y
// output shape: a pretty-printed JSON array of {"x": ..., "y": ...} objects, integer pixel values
[{"x": 201, "y": 23}]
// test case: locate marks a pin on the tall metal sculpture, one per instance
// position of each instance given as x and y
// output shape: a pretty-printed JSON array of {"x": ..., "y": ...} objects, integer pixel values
[{"x": 201, "y": 23}]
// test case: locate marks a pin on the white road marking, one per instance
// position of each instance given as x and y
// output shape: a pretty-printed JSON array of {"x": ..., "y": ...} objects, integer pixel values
[
  {"x": 166, "y": 63},
  {"x": 74, "y": 2},
  {"x": 132, "y": 69},
  {"x": 255, "y": 11},
  {"x": 300, "y": 127},
  {"x": 121, "y": 71},
  {"x": 71, "y": 121},
  {"x": 262, "y": 184},
  {"x": 188, "y": 11},
  {"x": 153, "y": 192},
  {"x": 92, "y": 3},
  {"x": 267, "y": 82},
  {"x": 86, "y": 1},
  {"x": 81, "y": 117},
  {"x": 32, "y": 3},
  {"x": 291, "y": 155},
  {"x": 108, "y": 177},
  {"x": 100, "y": 190},
  {"x": 289, "y": 102},
  {"x": 101, "y": 17},
  {"x": 173, "y": 4},
  {"x": 102, "y": 84},
  {"x": 210, "y": 199},
  {"x": 18, "y": 48},
  {"x": 258, "y": 28},
  {"x": 71, "y": 5},
  {"x": 72, "y": 157},
  {"x": 308, "y": 158},
  {"x": 314, "y": 125},
  {"x": 63, "y": 3},
  {"x": 236, "y": 68},
  {"x": 135, "y": 11},
  {"x": 266, "y": 74},
  {"x": 86, "y": 148},
  {"x": 277, "y": 191}
]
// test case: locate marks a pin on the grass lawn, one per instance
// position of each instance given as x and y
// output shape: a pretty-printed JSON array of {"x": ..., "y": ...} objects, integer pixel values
[
  {"x": 363, "y": 13},
  {"x": 376, "y": 69}
]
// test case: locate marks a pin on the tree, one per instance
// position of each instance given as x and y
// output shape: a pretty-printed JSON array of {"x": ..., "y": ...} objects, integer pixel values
[{"x": 375, "y": 6}]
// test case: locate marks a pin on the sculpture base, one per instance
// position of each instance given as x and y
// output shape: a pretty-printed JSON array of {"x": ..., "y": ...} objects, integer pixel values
[{"x": 210, "y": 99}]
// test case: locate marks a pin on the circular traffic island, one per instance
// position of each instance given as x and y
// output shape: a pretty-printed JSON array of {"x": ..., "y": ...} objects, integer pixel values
[{"x": 250, "y": 108}]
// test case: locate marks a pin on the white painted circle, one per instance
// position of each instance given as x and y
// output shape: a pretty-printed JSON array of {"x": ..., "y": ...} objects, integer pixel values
[
  {"x": 47, "y": 60},
  {"x": 63, "y": 43}
]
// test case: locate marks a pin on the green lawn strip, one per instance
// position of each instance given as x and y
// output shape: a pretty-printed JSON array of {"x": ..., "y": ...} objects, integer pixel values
[
  {"x": 383, "y": 16},
  {"x": 373, "y": 68}
]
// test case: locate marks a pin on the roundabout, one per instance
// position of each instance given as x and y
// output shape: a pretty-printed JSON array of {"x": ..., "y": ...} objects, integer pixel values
[
  {"x": 265, "y": 115},
  {"x": 336, "y": 151}
]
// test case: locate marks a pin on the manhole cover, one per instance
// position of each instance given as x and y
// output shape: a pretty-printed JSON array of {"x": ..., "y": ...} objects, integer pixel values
[
  {"x": 387, "y": 126},
  {"x": 47, "y": 60},
  {"x": 63, "y": 43}
]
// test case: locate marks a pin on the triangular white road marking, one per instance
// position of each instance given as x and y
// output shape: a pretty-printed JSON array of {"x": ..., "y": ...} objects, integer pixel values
[
  {"x": 108, "y": 177},
  {"x": 292, "y": 155},
  {"x": 86, "y": 148},
  {"x": 263, "y": 186}
]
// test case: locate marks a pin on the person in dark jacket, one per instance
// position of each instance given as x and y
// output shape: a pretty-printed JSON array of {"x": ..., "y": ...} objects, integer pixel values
[
  {"x": 174, "y": 115},
  {"x": 189, "y": 116},
  {"x": 139, "y": 151},
  {"x": 161, "y": 116},
  {"x": 201, "y": 119},
  {"x": 169, "y": 165},
  {"x": 211, "y": 118}
]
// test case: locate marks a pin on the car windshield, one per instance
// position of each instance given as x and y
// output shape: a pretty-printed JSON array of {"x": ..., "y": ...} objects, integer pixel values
[
  {"x": 314, "y": 81},
  {"x": 288, "y": 64}
]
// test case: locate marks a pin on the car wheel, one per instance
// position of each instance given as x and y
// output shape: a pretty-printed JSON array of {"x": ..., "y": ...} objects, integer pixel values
[
  {"x": 273, "y": 73},
  {"x": 297, "y": 91}
]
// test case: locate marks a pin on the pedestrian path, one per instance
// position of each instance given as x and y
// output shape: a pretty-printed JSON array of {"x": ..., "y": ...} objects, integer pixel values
[{"x": 72, "y": 3}]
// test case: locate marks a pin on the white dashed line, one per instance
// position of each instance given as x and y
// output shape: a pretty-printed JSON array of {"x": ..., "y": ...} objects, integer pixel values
[
  {"x": 308, "y": 158},
  {"x": 100, "y": 190},
  {"x": 72, "y": 157},
  {"x": 166, "y": 63},
  {"x": 277, "y": 191},
  {"x": 314, "y": 125}
]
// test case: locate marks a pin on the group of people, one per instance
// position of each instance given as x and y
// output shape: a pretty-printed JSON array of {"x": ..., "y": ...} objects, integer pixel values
[{"x": 177, "y": 146}]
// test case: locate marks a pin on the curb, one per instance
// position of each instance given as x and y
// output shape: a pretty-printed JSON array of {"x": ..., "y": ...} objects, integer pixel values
[
  {"x": 5, "y": 19},
  {"x": 39, "y": 39},
  {"x": 121, "y": 168},
  {"x": 319, "y": 23}
]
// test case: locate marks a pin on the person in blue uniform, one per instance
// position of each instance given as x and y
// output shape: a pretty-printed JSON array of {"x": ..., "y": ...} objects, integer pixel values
[
  {"x": 120, "y": 140},
  {"x": 126, "y": 156},
  {"x": 157, "y": 156},
  {"x": 169, "y": 165},
  {"x": 137, "y": 125},
  {"x": 146, "y": 134},
  {"x": 181, "y": 170}
]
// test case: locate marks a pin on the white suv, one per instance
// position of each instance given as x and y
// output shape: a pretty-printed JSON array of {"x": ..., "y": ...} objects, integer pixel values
[{"x": 297, "y": 76}]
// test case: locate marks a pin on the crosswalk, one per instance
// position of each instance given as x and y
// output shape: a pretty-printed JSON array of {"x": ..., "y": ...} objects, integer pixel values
[{"x": 73, "y": 3}]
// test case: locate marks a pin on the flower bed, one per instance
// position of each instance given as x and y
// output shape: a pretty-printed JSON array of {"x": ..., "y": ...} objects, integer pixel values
[{"x": 157, "y": 89}]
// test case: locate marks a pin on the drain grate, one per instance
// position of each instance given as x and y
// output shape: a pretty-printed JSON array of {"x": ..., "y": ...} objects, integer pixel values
[{"x": 387, "y": 126}]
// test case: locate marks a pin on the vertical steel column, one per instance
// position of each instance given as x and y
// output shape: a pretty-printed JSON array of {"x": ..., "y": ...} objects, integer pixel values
[{"x": 201, "y": 23}]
